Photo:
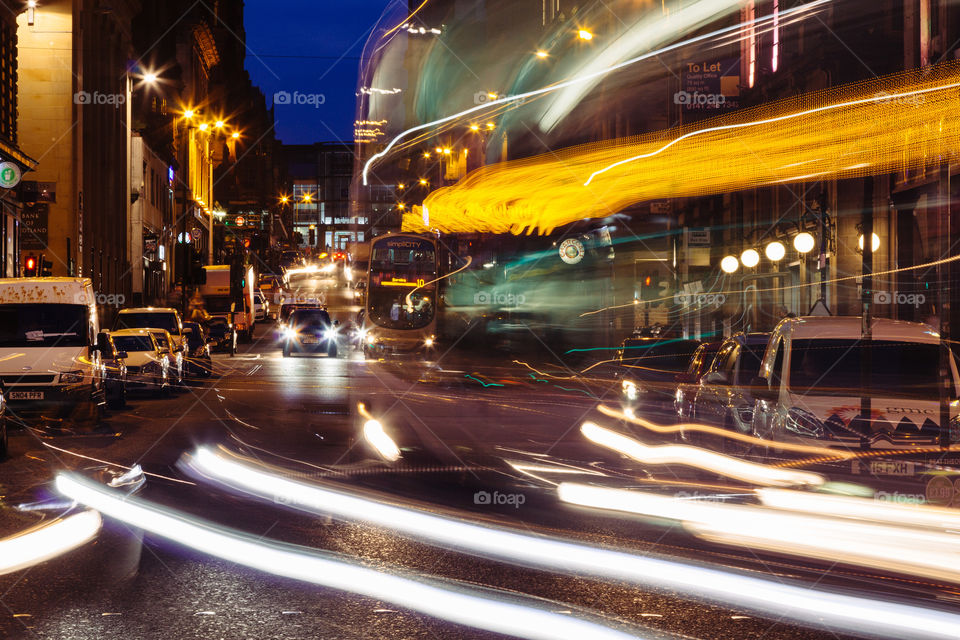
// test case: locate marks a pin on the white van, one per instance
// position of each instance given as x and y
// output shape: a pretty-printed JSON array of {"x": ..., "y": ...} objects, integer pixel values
[
  {"x": 810, "y": 384},
  {"x": 49, "y": 360}
]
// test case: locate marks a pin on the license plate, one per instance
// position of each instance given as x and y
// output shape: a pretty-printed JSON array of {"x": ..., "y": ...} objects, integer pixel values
[
  {"x": 25, "y": 395},
  {"x": 310, "y": 341},
  {"x": 889, "y": 468}
]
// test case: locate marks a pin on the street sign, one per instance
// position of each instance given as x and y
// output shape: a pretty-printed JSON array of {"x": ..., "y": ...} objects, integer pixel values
[
  {"x": 9, "y": 175},
  {"x": 571, "y": 251},
  {"x": 240, "y": 221}
]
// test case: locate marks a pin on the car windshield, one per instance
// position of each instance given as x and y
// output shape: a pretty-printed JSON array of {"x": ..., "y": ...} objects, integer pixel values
[
  {"x": 838, "y": 367},
  {"x": 43, "y": 325},
  {"x": 500, "y": 319},
  {"x": 162, "y": 341},
  {"x": 148, "y": 320},
  {"x": 310, "y": 318},
  {"x": 132, "y": 344}
]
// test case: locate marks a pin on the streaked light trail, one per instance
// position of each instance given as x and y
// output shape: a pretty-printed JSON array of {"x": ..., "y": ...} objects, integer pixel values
[{"x": 48, "y": 541}]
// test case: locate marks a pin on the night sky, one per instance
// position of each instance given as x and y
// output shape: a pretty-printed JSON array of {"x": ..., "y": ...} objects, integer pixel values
[{"x": 314, "y": 33}]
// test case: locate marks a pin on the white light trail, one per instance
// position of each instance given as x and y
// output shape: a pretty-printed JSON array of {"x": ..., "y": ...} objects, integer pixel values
[
  {"x": 923, "y": 553},
  {"x": 456, "y": 605},
  {"x": 47, "y": 541},
  {"x": 567, "y": 83},
  {"x": 801, "y": 604},
  {"x": 374, "y": 434},
  {"x": 726, "y": 466}
]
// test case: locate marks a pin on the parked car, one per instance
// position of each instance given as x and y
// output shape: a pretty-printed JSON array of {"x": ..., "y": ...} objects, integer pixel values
[
  {"x": 811, "y": 384},
  {"x": 261, "y": 306},
  {"x": 166, "y": 318},
  {"x": 689, "y": 381},
  {"x": 310, "y": 330},
  {"x": 114, "y": 370},
  {"x": 174, "y": 356},
  {"x": 148, "y": 367},
  {"x": 199, "y": 361},
  {"x": 50, "y": 361},
  {"x": 723, "y": 396},
  {"x": 647, "y": 370}
]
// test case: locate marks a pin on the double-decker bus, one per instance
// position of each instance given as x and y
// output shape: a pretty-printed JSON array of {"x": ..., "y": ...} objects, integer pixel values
[{"x": 401, "y": 305}]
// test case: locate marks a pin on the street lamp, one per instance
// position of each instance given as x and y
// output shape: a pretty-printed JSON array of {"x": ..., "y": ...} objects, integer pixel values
[
  {"x": 235, "y": 135},
  {"x": 729, "y": 264},
  {"x": 776, "y": 251},
  {"x": 203, "y": 126},
  {"x": 423, "y": 182},
  {"x": 542, "y": 54},
  {"x": 583, "y": 34},
  {"x": 804, "y": 242},
  {"x": 875, "y": 243},
  {"x": 750, "y": 258}
]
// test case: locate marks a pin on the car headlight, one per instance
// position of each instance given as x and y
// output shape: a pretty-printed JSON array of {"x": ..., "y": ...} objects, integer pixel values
[
  {"x": 629, "y": 389},
  {"x": 804, "y": 423},
  {"x": 330, "y": 334},
  {"x": 371, "y": 339},
  {"x": 428, "y": 342},
  {"x": 289, "y": 333},
  {"x": 71, "y": 377}
]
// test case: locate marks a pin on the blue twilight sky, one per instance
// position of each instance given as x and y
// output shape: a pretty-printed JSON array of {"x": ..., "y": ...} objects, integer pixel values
[{"x": 307, "y": 52}]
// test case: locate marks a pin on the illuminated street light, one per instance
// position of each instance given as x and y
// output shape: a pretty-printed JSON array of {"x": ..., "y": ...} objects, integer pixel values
[
  {"x": 401, "y": 206},
  {"x": 750, "y": 258},
  {"x": 188, "y": 113},
  {"x": 775, "y": 251},
  {"x": 492, "y": 95},
  {"x": 804, "y": 242},
  {"x": 875, "y": 243},
  {"x": 235, "y": 135},
  {"x": 308, "y": 197},
  {"x": 423, "y": 182},
  {"x": 474, "y": 127},
  {"x": 439, "y": 150},
  {"x": 585, "y": 35},
  {"x": 426, "y": 154},
  {"x": 542, "y": 54},
  {"x": 729, "y": 264},
  {"x": 219, "y": 124},
  {"x": 447, "y": 152},
  {"x": 490, "y": 125},
  {"x": 203, "y": 126},
  {"x": 284, "y": 199},
  {"x": 401, "y": 186},
  {"x": 150, "y": 78}
]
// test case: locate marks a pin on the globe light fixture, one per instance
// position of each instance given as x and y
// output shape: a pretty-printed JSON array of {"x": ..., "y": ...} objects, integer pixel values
[
  {"x": 729, "y": 264},
  {"x": 875, "y": 243},
  {"x": 750, "y": 258},
  {"x": 775, "y": 251},
  {"x": 804, "y": 242}
]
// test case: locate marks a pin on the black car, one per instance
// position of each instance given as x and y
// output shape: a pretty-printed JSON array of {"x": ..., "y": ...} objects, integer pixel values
[
  {"x": 722, "y": 398},
  {"x": 310, "y": 330},
  {"x": 647, "y": 369},
  {"x": 222, "y": 335},
  {"x": 199, "y": 362},
  {"x": 114, "y": 370}
]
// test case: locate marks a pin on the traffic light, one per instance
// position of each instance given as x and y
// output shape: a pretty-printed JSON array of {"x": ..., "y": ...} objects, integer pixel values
[
  {"x": 46, "y": 267},
  {"x": 648, "y": 289},
  {"x": 30, "y": 266},
  {"x": 313, "y": 237},
  {"x": 246, "y": 243}
]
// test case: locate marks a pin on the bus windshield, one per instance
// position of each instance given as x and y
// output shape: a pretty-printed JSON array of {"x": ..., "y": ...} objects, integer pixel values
[{"x": 398, "y": 266}]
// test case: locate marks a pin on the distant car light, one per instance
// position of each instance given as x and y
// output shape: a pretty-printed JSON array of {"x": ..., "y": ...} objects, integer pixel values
[{"x": 428, "y": 342}]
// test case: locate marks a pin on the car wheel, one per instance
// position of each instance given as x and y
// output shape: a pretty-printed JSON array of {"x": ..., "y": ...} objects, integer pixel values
[
  {"x": 332, "y": 350},
  {"x": 286, "y": 352}
]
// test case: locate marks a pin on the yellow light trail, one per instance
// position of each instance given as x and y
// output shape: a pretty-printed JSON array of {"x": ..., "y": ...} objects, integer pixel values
[{"x": 896, "y": 123}]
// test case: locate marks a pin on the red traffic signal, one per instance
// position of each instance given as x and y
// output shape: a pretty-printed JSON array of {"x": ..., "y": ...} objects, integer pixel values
[
  {"x": 246, "y": 243},
  {"x": 30, "y": 267}
]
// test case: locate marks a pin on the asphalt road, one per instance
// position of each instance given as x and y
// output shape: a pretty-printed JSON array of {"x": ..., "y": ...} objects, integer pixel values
[{"x": 466, "y": 422}]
